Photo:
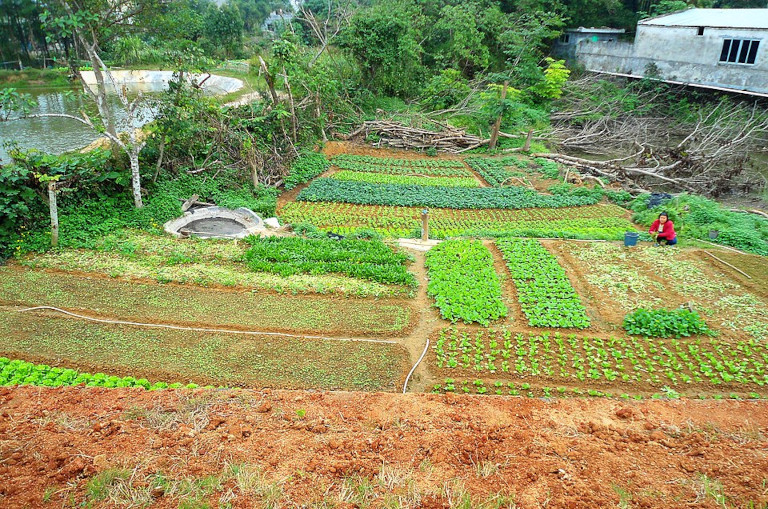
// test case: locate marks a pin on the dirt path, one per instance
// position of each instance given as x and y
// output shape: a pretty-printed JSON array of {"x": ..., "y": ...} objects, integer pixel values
[{"x": 427, "y": 320}]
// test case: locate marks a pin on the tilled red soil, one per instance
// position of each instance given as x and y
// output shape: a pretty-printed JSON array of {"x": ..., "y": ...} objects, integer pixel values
[{"x": 107, "y": 447}]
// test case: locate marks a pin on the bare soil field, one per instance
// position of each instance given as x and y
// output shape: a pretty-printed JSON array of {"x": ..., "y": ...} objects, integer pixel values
[{"x": 73, "y": 447}]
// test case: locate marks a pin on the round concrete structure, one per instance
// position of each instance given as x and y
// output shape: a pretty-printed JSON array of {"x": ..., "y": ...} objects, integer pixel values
[{"x": 216, "y": 223}]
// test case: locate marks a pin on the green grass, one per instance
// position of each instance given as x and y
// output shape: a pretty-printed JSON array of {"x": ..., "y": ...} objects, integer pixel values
[
  {"x": 143, "y": 302},
  {"x": 203, "y": 358}
]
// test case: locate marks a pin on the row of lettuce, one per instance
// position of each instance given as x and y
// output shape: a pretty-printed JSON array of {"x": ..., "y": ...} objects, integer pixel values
[
  {"x": 20, "y": 372},
  {"x": 465, "y": 286}
]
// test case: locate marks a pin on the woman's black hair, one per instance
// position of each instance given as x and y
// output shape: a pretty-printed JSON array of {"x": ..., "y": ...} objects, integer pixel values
[{"x": 664, "y": 214}]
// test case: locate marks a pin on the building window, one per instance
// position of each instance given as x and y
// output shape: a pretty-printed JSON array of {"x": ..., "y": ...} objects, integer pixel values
[
  {"x": 739, "y": 51},
  {"x": 701, "y": 31},
  {"x": 565, "y": 38}
]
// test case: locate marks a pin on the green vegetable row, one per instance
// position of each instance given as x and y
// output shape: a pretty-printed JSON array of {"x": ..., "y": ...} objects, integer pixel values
[
  {"x": 634, "y": 361},
  {"x": 305, "y": 168},
  {"x": 590, "y": 222},
  {"x": 381, "y": 178},
  {"x": 545, "y": 294},
  {"x": 19, "y": 372},
  {"x": 390, "y": 161},
  {"x": 365, "y": 259},
  {"x": 660, "y": 323},
  {"x": 495, "y": 171},
  {"x": 463, "y": 282},
  {"x": 330, "y": 190}
]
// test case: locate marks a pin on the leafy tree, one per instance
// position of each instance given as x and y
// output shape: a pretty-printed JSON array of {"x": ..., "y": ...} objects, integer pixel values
[
  {"x": 461, "y": 41},
  {"x": 223, "y": 28},
  {"x": 384, "y": 39}
]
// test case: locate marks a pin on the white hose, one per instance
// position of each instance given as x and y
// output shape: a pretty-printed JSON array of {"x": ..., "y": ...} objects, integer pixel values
[
  {"x": 405, "y": 385},
  {"x": 202, "y": 329}
]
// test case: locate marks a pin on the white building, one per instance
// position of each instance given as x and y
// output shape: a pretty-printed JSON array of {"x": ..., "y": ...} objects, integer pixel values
[{"x": 719, "y": 48}]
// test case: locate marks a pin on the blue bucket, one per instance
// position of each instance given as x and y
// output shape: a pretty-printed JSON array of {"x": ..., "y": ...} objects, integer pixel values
[{"x": 630, "y": 238}]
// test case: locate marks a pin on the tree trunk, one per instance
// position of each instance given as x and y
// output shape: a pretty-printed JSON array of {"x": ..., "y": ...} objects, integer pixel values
[
  {"x": 497, "y": 125},
  {"x": 135, "y": 178}
]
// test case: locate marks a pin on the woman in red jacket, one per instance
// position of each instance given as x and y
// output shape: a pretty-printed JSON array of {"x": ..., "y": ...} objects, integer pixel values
[{"x": 663, "y": 230}]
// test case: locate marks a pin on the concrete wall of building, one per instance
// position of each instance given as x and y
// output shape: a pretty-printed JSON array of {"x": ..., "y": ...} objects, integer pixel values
[{"x": 680, "y": 54}]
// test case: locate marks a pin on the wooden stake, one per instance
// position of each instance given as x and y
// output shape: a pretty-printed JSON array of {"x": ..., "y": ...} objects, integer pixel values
[
  {"x": 54, "y": 214},
  {"x": 425, "y": 224}
]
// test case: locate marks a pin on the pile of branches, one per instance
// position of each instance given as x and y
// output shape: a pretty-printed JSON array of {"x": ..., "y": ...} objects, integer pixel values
[
  {"x": 396, "y": 135},
  {"x": 707, "y": 153}
]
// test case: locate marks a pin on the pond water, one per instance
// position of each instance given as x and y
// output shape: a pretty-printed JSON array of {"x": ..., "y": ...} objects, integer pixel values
[{"x": 54, "y": 134}]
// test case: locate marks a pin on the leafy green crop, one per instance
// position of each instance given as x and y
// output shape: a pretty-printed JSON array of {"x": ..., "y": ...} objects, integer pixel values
[
  {"x": 589, "y": 222},
  {"x": 381, "y": 178},
  {"x": 544, "y": 291},
  {"x": 18, "y": 372},
  {"x": 364, "y": 259},
  {"x": 463, "y": 282},
  {"x": 495, "y": 171},
  {"x": 660, "y": 323},
  {"x": 346, "y": 159},
  {"x": 305, "y": 168},
  {"x": 324, "y": 189}
]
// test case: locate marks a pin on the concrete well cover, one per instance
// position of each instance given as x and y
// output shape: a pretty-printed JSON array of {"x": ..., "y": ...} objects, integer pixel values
[{"x": 216, "y": 222}]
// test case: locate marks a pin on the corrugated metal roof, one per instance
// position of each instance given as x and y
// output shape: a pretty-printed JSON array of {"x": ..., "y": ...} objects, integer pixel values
[{"x": 719, "y": 18}]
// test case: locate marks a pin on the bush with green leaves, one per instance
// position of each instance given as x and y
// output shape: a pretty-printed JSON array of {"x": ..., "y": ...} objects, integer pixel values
[
  {"x": 304, "y": 168},
  {"x": 694, "y": 217},
  {"x": 364, "y": 259},
  {"x": 463, "y": 282},
  {"x": 661, "y": 323},
  {"x": 19, "y": 372}
]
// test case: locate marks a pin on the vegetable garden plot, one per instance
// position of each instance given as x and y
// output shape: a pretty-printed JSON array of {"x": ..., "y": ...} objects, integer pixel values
[
  {"x": 463, "y": 282},
  {"x": 554, "y": 364},
  {"x": 544, "y": 291},
  {"x": 606, "y": 222},
  {"x": 495, "y": 171},
  {"x": 364, "y": 259},
  {"x": 363, "y": 193},
  {"x": 199, "y": 262},
  {"x": 146, "y": 302},
  {"x": 651, "y": 278},
  {"x": 231, "y": 360},
  {"x": 380, "y": 178}
]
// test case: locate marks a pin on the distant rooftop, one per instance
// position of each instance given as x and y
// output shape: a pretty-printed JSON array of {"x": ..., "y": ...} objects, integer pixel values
[
  {"x": 593, "y": 30},
  {"x": 717, "y": 18}
]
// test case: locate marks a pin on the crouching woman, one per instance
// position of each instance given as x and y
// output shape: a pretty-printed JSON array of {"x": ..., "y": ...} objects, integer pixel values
[{"x": 663, "y": 230}]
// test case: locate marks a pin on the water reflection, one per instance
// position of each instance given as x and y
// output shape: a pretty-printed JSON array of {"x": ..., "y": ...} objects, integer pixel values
[{"x": 56, "y": 134}]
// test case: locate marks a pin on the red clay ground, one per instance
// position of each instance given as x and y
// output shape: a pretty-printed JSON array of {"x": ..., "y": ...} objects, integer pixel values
[{"x": 106, "y": 447}]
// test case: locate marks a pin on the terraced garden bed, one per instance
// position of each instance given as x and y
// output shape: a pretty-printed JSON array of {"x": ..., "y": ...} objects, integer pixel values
[
  {"x": 232, "y": 360},
  {"x": 150, "y": 302},
  {"x": 505, "y": 362},
  {"x": 607, "y": 222}
]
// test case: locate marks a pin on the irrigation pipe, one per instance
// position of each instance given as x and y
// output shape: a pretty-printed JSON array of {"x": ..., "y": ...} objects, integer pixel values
[
  {"x": 203, "y": 329},
  {"x": 405, "y": 385},
  {"x": 728, "y": 264},
  {"x": 723, "y": 246}
]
